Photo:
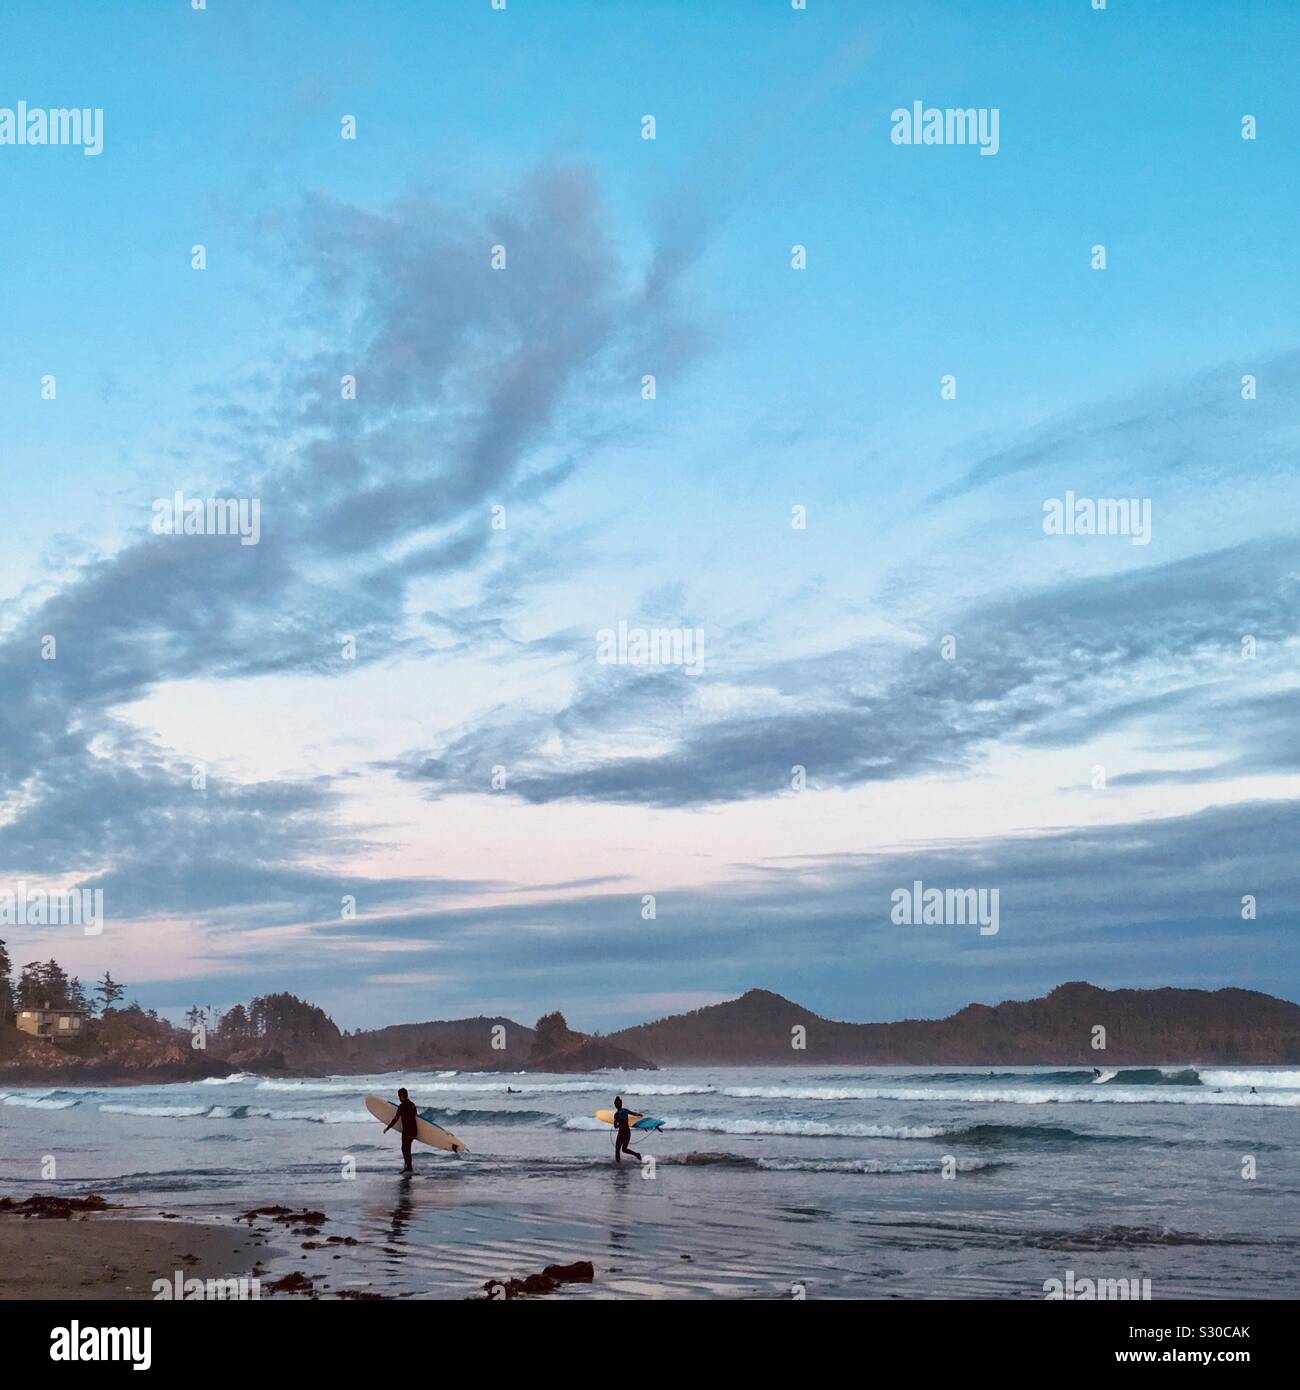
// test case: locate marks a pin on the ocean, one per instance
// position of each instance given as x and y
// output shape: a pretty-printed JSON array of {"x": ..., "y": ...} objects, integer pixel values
[{"x": 845, "y": 1182}]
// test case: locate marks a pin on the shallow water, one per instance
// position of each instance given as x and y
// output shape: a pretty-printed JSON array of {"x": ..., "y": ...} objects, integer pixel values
[{"x": 765, "y": 1180}]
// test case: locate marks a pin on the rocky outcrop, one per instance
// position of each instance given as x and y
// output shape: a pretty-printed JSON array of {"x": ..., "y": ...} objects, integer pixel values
[{"x": 26, "y": 1061}]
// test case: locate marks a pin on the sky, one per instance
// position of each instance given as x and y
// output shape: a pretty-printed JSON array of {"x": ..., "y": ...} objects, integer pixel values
[{"x": 377, "y": 759}]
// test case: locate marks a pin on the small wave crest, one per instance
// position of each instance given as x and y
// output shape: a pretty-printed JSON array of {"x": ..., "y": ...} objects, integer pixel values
[
  {"x": 1037, "y": 1134},
  {"x": 160, "y": 1112},
  {"x": 872, "y": 1165},
  {"x": 808, "y": 1129},
  {"x": 45, "y": 1102}
]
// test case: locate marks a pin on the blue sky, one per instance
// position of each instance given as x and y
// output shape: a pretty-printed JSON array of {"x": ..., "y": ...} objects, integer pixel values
[{"x": 476, "y": 648}]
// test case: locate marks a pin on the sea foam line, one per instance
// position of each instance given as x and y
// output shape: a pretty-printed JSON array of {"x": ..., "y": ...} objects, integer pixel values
[
  {"x": 1096, "y": 1095},
  {"x": 1234, "y": 1076},
  {"x": 808, "y": 1129},
  {"x": 871, "y": 1165}
]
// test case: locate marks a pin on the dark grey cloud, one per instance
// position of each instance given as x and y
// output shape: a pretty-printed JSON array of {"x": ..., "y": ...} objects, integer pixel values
[
  {"x": 1142, "y": 904},
  {"x": 474, "y": 386},
  {"x": 1051, "y": 668},
  {"x": 1262, "y": 733}
]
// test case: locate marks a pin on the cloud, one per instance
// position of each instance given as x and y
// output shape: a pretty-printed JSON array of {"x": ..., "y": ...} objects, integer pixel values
[
  {"x": 475, "y": 385},
  {"x": 1121, "y": 905},
  {"x": 1055, "y": 667},
  {"x": 1200, "y": 430}
]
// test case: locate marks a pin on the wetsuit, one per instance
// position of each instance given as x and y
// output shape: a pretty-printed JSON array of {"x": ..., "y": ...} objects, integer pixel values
[
  {"x": 406, "y": 1114},
  {"x": 623, "y": 1137}
]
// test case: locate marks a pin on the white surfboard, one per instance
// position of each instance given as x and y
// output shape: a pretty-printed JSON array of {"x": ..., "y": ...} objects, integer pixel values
[{"x": 425, "y": 1130}]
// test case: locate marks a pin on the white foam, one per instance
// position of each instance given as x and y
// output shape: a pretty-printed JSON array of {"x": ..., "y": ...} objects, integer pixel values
[
  {"x": 867, "y": 1165},
  {"x": 162, "y": 1112},
  {"x": 362, "y": 1085},
  {"x": 1047, "y": 1095},
  {"x": 1078, "y": 1095},
  {"x": 809, "y": 1129},
  {"x": 318, "y": 1087},
  {"x": 320, "y": 1117},
  {"x": 1235, "y": 1076},
  {"x": 652, "y": 1090},
  {"x": 41, "y": 1102},
  {"x": 798, "y": 1092}
]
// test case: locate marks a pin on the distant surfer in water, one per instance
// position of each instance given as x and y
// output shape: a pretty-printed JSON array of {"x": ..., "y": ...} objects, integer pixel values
[
  {"x": 623, "y": 1132},
  {"x": 405, "y": 1113}
]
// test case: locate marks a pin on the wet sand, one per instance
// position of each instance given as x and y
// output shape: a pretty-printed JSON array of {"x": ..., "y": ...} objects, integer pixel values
[{"x": 117, "y": 1256}]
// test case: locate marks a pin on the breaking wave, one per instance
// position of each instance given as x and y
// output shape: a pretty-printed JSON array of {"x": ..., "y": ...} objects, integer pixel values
[
  {"x": 161, "y": 1112},
  {"x": 1114, "y": 1092},
  {"x": 50, "y": 1101},
  {"x": 1233, "y": 1076}
]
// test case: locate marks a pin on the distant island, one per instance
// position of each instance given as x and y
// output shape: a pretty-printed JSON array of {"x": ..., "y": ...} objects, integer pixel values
[{"x": 281, "y": 1033}]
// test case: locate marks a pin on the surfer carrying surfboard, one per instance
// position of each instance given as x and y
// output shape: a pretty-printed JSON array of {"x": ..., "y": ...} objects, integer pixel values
[
  {"x": 410, "y": 1124},
  {"x": 623, "y": 1132}
]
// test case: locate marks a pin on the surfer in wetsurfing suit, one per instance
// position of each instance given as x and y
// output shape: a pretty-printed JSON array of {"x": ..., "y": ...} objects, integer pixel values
[
  {"x": 623, "y": 1132},
  {"x": 405, "y": 1113}
]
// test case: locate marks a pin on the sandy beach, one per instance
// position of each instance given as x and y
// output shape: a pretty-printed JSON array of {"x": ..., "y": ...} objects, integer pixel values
[{"x": 117, "y": 1255}]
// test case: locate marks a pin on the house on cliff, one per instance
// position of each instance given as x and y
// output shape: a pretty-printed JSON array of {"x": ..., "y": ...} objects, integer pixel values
[{"x": 55, "y": 1025}]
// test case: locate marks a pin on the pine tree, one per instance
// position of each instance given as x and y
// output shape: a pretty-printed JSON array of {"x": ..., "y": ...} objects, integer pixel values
[
  {"x": 108, "y": 992},
  {"x": 551, "y": 1033},
  {"x": 234, "y": 1024},
  {"x": 6, "y": 985},
  {"x": 30, "y": 986},
  {"x": 54, "y": 980}
]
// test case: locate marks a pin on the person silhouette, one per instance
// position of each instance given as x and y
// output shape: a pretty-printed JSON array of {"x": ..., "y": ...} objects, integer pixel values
[
  {"x": 405, "y": 1113},
  {"x": 623, "y": 1132}
]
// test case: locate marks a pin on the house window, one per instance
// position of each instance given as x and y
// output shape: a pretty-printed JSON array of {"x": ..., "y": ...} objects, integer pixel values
[{"x": 65, "y": 1022}]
